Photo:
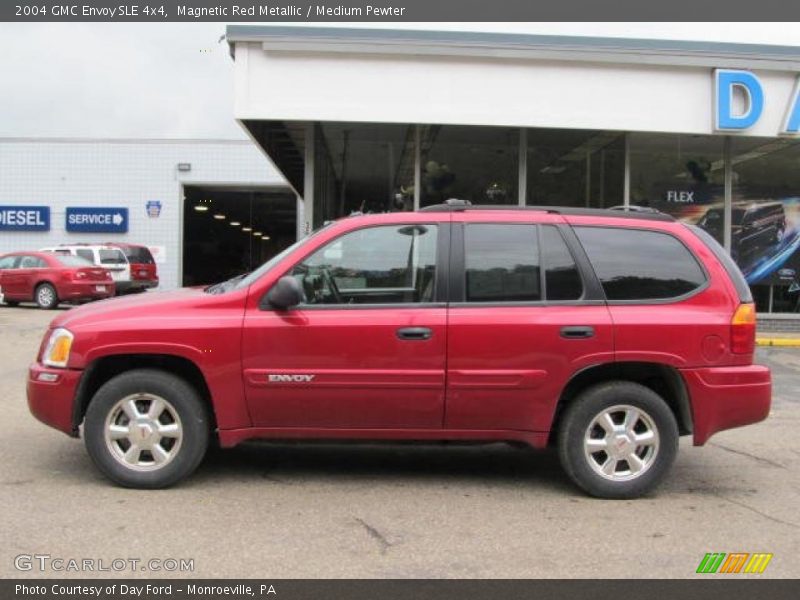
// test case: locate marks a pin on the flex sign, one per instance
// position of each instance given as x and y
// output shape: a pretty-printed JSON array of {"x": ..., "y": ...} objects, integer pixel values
[
  {"x": 24, "y": 218},
  {"x": 732, "y": 84},
  {"x": 84, "y": 219}
]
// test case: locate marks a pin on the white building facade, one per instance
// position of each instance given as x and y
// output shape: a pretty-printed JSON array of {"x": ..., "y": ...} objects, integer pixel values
[{"x": 147, "y": 178}]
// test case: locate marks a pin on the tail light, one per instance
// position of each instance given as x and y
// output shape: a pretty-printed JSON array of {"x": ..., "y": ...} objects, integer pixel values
[
  {"x": 743, "y": 329},
  {"x": 79, "y": 275}
]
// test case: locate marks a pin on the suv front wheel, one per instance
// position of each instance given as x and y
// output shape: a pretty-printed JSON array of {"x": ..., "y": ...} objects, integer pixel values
[
  {"x": 618, "y": 440},
  {"x": 146, "y": 429}
]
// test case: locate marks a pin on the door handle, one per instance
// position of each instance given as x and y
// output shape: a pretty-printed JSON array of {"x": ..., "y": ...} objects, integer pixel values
[
  {"x": 414, "y": 333},
  {"x": 577, "y": 332}
]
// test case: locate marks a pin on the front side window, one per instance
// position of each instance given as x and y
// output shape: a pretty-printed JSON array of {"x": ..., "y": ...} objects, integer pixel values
[
  {"x": 501, "y": 263},
  {"x": 7, "y": 262},
  {"x": 376, "y": 265},
  {"x": 636, "y": 264}
]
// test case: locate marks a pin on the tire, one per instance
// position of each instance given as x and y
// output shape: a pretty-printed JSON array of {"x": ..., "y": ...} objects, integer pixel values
[
  {"x": 582, "y": 441},
  {"x": 46, "y": 296},
  {"x": 180, "y": 429}
]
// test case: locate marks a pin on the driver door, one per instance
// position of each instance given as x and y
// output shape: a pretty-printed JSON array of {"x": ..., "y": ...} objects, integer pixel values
[{"x": 366, "y": 349}]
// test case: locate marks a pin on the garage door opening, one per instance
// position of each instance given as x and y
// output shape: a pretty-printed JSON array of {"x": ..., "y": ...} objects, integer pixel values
[{"x": 229, "y": 231}]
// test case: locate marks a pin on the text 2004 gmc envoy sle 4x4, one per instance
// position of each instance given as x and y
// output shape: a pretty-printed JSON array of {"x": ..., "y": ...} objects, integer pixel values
[{"x": 605, "y": 333}]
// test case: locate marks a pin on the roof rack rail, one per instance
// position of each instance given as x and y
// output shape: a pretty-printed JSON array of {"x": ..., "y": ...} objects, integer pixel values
[{"x": 629, "y": 212}]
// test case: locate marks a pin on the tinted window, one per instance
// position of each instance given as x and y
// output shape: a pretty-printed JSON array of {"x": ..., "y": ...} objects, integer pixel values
[
  {"x": 634, "y": 264},
  {"x": 7, "y": 262},
  {"x": 138, "y": 254},
  {"x": 501, "y": 263},
  {"x": 74, "y": 261},
  {"x": 562, "y": 280},
  {"x": 112, "y": 257},
  {"x": 375, "y": 265},
  {"x": 85, "y": 254}
]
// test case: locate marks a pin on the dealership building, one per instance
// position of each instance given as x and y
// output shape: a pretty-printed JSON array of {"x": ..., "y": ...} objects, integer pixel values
[
  {"x": 382, "y": 120},
  {"x": 197, "y": 204}
]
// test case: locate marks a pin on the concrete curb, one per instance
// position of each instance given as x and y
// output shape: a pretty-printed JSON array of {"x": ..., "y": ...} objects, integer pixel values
[{"x": 781, "y": 341}]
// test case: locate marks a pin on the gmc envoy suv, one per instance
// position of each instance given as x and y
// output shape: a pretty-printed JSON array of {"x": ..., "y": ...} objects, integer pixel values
[{"x": 606, "y": 334}]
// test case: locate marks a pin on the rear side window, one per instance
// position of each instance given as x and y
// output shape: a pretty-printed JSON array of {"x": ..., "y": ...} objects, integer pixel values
[
  {"x": 85, "y": 254},
  {"x": 501, "y": 263},
  {"x": 636, "y": 264},
  {"x": 74, "y": 261},
  {"x": 562, "y": 279},
  {"x": 112, "y": 257}
]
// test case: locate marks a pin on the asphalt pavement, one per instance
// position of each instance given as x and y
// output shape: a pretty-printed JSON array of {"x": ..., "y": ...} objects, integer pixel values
[{"x": 319, "y": 510}]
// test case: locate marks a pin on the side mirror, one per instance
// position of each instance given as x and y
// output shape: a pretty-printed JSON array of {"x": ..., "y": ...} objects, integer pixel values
[{"x": 285, "y": 294}]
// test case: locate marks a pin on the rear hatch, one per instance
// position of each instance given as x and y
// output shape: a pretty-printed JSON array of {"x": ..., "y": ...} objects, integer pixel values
[
  {"x": 115, "y": 261},
  {"x": 143, "y": 265}
]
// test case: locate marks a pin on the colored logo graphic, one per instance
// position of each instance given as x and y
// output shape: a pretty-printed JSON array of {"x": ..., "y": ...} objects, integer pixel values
[
  {"x": 735, "y": 562},
  {"x": 153, "y": 208}
]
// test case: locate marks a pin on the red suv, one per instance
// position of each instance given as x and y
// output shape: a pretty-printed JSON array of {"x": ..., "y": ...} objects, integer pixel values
[
  {"x": 144, "y": 272},
  {"x": 49, "y": 279},
  {"x": 606, "y": 334}
]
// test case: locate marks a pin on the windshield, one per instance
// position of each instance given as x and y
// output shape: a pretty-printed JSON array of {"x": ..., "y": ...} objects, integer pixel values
[
  {"x": 246, "y": 281},
  {"x": 73, "y": 261}
]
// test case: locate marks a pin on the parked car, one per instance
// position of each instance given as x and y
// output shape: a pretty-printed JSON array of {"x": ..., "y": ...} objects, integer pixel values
[
  {"x": 143, "y": 269},
  {"x": 102, "y": 255},
  {"x": 606, "y": 334},
  {"x": 753, "y": 226},
  {"x": 49, "y": 279}
]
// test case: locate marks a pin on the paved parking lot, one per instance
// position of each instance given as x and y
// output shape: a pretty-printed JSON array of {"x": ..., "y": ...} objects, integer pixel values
[{"x": 336, "y": 510}]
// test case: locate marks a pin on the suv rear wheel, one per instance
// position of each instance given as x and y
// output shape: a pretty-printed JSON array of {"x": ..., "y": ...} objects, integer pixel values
[
  {"x": 146, "y": 429},
  {"x": 618, "y": 440}
]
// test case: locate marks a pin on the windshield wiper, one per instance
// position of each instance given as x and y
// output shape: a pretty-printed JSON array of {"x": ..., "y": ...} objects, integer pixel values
[{"x": 224, "y": 286}]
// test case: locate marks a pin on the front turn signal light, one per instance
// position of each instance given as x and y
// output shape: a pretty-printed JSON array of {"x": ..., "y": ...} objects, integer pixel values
[{"x": 56, "y": 352}]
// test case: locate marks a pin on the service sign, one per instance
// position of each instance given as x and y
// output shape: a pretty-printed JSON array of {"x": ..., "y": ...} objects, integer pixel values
[
  {"x": 24, "y": 218},
  {"x": 107, "y": 219}
]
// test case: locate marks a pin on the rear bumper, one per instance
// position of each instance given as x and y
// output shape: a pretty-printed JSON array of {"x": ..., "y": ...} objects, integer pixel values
[
  {"x": 52, "y": 401},
  {"x": 84, "y": 290},
  {"x": 727, "y": 397}
]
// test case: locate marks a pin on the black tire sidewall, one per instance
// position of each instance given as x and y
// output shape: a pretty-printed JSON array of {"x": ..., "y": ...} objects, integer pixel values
[
  {"x": 585, "y": 408},
  {"x": 191, "y": 411},
  {"x": 53, "y": 304}
]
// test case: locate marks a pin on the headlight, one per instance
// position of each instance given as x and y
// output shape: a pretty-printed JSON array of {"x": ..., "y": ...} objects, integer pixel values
[{"x": 56, "y": 352}]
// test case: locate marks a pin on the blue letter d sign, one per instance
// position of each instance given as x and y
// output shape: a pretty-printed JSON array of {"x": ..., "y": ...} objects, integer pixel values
[{"x": 726, "y": 83}]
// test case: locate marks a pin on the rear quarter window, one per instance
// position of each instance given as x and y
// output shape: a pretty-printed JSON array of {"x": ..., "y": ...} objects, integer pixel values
[{"x": 639, "y": 264}]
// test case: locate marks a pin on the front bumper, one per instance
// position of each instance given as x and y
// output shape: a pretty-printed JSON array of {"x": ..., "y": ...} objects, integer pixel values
[
  {"x": 727, "y": 397},
  {"x": 52, "y": 401}
]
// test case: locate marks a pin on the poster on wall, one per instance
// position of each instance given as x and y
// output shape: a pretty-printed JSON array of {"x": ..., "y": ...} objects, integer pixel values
[{"x": 765, "y": 234}]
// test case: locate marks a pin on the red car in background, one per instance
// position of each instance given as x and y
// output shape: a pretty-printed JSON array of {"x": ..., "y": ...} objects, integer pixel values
[
  {"x": 49, "y": 279},
  {"x": 144, "y": 273}
]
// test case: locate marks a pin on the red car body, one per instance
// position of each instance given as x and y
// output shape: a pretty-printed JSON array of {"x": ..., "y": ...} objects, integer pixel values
[
  {"x": 486, "y": 373},
  {"x": 29, "y": 270}
]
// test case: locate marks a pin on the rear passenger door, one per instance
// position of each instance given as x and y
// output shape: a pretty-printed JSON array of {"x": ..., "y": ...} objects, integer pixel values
[
  {"x": 523, "y": 319},
  {"x": 664, "y": 309}
]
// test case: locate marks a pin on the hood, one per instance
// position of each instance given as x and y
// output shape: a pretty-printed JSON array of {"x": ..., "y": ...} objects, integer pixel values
[{"x": 139, "y": 305}]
